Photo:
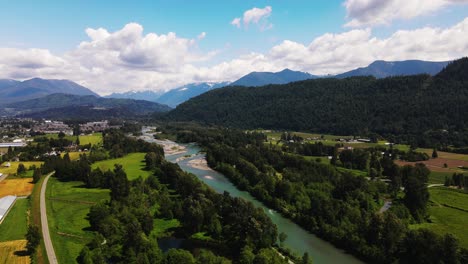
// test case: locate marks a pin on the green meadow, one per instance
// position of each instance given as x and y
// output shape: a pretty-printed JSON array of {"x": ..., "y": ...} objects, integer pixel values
[
  {"x": 15, "y": 225},
  {"x": 133, "y": 164},
  {"x": 68, "y": 204}
]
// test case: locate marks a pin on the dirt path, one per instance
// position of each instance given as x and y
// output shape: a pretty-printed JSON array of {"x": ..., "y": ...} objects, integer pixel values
[{"x": 45, "y": 225}]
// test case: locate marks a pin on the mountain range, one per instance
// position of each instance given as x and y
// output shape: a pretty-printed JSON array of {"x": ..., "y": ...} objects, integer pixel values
[
  {"x": 264, "y": 78},
  {"x": 378, "y": 69},
  {"x": 16, "y": 91},
  {"x": 382, "y": 69},
  {"x": 57, "y": 105},
  {"x": 415, "y": 105}
]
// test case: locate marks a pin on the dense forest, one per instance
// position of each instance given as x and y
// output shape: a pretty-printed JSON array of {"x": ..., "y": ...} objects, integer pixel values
[
  {"x": 340, "y": 207},
  {"x": 236, "y": 230},
  {"x": 419, "y": 110}
]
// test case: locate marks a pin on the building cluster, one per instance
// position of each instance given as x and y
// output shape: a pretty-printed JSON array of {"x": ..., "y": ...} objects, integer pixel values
[
  {"x": 94, "y": 126},
  {"x": 53, "y": 127}
]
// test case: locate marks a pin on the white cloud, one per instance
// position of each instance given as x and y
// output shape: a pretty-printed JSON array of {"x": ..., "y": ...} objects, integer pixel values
[
  {"x": 236, "y": 22},
  {"x": 127, "y": 59},
  {"x": 377, "y": 12},
  {"x": 201, "y": 36},
  {"x": 258, "y": 16}
]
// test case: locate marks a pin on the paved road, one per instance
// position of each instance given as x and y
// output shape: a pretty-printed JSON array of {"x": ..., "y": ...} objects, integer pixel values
[{"x": 45, "y": 225}]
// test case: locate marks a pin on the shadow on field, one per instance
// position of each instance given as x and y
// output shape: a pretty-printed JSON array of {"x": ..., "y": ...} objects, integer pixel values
[{"x": 21, "y": 253}]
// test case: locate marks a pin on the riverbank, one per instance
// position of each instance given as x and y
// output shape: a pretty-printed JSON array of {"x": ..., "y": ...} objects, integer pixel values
[{"x": 199, "y": 163}]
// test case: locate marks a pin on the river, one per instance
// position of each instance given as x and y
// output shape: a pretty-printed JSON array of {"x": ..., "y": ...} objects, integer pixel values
[{"x": 298, "y": 239}]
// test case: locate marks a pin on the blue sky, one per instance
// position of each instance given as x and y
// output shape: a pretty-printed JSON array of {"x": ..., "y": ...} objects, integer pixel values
[{"x": 315, "y": 36}]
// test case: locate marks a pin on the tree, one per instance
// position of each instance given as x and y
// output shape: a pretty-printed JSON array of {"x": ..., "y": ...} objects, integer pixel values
[
  {"x": 37, "y": 175},
  {"x": 416, "y": 193},
  {"x": 305, "y": 259},
  {"x": 61, "y": 135},
  {"x": 34, "y": 238},
  {"x": 282, "y": 238},
  {"x": 434, "y": 153},
  {"x": 178, "y": 256},
  {"x": 21, "y": 169},
  {"x": 77, "y": 141}
]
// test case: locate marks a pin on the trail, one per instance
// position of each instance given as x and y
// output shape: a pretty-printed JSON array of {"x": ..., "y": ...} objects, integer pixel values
[{"x": 45, "y": 224}]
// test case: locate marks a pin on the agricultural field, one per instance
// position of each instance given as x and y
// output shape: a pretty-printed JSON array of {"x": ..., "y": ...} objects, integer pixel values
[
  {"x": 68, "y": 204},
  {"x": 438, "y": 164},
  {"x": 93, "y": 139},
  {"x": 14, "y": 166},
  {"x": 75, "y": 155},
  {"x": 133, "y": 164},
  {"x": 14, "y": 252},
  {"x": 15, "y": 225},
  {"x": 448, "y": 213},
  {"x": 18, "y": 187}
]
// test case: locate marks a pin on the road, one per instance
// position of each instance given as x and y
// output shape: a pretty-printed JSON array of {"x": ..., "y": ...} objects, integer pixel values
[{"x": 45, "y": 225}]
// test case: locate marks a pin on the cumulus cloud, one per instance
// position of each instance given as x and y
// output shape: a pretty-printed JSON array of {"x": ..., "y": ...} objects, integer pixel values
[
  {"x": 376, "y": 12},
  {"x": 236, "y": 22},
  {"x": 258, "y": 16},
  {"x": 201, "y": 36},
  {"x": 128, "y": 59}
]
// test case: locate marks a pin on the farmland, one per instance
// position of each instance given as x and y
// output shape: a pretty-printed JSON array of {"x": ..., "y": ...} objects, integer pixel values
[
  {"x": 18, "y": 187},
  {"x": 14, "y": 166},
  {"x": 67, "y": 206},
  {"x": 75, "y": 155},
  {"x": 133, "y": 164},
  {"x": 14, "y": 252},
  {"x": 15, "y": 225},
  {"x": 448, "y": 213},
  {"x": 92, "y": 139}
]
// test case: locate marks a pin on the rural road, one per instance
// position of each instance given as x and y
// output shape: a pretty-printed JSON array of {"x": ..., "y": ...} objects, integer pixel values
[{"x": 45, "y": 225}]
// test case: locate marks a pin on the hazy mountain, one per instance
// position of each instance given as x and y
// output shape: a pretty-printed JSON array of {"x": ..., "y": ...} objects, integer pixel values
[
  {"x": 7, "y": 83},
  {"x": 264, "y": 78},
  {"x": 140, "y": 95},
  {"x": 382, "y": 69},
  {"x": 54, "y": 102},
  {"x": 181, "y": 94},
  {"x": 15, "y": 91}
]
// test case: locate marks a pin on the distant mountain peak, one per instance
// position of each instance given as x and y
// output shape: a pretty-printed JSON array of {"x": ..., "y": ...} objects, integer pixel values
[
  {"x": 265, "y": 78},
  {"x": 382, "y": 68},
  {"x": 16, "y": 91}
]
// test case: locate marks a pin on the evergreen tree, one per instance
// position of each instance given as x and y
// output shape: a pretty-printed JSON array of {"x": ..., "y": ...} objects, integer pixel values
[
  {"x": 34, "y": 237},
  {"x": 434, "y": 153}
]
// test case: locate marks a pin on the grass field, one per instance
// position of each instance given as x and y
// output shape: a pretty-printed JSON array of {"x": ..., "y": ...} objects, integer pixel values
[
  {"x": 14, "y": 166},
  {"x": 12, "y": 252},
  {"x": 75, "y": 155},
  {"x": 445, "y": 219},
  {"x": 92, "y": 139},
  {"x": 15, "y": 225},
  {"x": 133, "y": 164},
  {"x": 67, "y": 206},
  {"x": 18, "y": 187},
  {"x": 162, "y": 227},
  {"x": 439, "y": 177}
]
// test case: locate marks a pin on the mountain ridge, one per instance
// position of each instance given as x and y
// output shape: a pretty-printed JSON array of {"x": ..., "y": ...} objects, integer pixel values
[{"x": 38, "y": 87}]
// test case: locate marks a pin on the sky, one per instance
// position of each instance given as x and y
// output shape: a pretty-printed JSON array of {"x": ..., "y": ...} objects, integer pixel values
[{"x": 119, "y": 46}]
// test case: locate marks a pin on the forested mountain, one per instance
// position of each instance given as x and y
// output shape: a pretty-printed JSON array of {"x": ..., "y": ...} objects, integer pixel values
[
  {"x": 71, "y": 106},
  {"x": 151, "y": 96},
  {"x": 382, "y": 69},
  {"x": 264, "y": 78},
  {"x": 412, "y": 109},
  {"x": 179, "y": 95},
  {"x": 15, "y": 91}
]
